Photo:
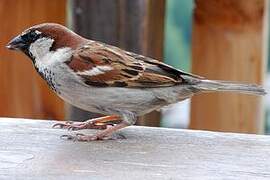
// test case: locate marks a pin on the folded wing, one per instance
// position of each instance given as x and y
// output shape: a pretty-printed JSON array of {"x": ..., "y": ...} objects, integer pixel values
[{"x": 103, "y": 65}]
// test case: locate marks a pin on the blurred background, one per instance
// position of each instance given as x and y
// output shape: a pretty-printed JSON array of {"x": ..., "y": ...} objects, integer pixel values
[{"x": 218, "y": 39}]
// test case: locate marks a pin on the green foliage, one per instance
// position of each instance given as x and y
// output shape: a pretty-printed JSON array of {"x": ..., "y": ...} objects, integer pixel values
[{"x": 178, "y": 33}]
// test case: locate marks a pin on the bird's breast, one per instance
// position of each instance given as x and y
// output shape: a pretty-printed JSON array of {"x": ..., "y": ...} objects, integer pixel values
[
  {"x": 49, "y": 77},
  {"x": 49, "y": 65}
]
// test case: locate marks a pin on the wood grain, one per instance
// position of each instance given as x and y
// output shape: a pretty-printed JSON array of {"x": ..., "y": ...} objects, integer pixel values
[
  {"x": 22, "y": 92},
  {"x": 228, "y": 44},
  {"x": 32, "y": 149}
]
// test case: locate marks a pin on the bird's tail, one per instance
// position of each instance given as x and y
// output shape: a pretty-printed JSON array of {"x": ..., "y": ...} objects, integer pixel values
[{"x": 211, "y": 85}]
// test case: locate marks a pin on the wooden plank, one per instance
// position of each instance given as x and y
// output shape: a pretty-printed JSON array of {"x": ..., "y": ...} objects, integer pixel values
[
  {"x": 135, "y": 26},
  {"x": 228, "y": 44},
  {"x": 22, "y": 92},
  {"x": 32, "y": 149}
]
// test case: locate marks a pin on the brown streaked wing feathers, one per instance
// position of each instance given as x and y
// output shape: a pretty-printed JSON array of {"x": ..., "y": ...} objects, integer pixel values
[{"x": 128, "y": 69}]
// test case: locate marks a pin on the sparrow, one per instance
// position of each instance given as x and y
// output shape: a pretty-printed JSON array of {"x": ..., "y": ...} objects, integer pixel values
[{"x": 105, "y": 79}]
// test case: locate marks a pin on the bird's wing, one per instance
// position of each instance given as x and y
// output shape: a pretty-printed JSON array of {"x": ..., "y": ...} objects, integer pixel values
[{"x": 102, "y": 65}]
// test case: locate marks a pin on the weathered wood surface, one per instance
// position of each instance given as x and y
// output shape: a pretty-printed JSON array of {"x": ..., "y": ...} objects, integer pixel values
[
  {"x": 229, "y": 42},
  {"x": 32, "y": 150}
]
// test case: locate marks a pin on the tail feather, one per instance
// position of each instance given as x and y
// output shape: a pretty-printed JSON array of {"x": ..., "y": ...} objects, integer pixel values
[{"x": 209, "y": 85}]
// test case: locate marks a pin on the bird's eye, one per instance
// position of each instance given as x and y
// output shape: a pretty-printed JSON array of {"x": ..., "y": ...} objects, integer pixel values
[{"x": 31, "y": 36}]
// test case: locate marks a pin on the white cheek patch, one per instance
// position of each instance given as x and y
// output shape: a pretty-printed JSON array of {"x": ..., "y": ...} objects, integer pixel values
[
  {"x": 53, "y": 58},
  {"x": 41, "y": 47},
  {"x": 96, "y": 71}
]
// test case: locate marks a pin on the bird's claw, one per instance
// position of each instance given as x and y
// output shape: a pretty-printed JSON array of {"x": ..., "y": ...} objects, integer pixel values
[
  {"x": 63, "y": 125},
  {"x": 72, "y": 126}
]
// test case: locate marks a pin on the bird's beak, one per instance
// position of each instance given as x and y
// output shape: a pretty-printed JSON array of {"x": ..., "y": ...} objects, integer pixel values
[{"x": 16, "y": 43}]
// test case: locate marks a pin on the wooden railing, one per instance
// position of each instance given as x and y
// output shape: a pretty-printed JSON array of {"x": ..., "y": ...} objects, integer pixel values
[{"x": 32, "y": 150}]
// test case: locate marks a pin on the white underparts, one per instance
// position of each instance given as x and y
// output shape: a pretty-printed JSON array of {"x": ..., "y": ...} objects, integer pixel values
[{"x": 96, "y": 71}]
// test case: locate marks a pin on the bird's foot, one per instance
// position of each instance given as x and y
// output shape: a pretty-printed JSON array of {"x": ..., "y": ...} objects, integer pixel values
[
  {"x": 70, "y": 125},
  {"x": 97, "y": 123},
  {"x": 102, "y": 135}
]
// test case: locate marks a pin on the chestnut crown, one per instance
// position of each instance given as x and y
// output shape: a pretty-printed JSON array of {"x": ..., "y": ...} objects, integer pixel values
[{"x": 61, "y": 36}]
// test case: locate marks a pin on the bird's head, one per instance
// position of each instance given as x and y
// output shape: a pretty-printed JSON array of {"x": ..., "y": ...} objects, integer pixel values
[{"x": 43, "y": 38}]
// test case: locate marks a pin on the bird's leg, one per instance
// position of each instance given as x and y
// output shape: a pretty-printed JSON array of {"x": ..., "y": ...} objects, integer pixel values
[
  {"x": 104, "y": 134},
  {"x": 97, "y": 123}
]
